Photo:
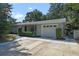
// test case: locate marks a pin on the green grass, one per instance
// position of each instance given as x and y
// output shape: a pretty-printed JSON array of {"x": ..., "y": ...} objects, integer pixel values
[
  {"x": 8, "y": 37},
  {"x": 28, "y": 33}
]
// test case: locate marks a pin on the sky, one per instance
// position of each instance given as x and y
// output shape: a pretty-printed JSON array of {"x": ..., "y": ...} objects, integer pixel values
[{"x": 20, "y": 9}]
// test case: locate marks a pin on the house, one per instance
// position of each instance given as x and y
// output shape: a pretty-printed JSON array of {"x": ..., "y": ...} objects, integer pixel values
[{"x": 46, "y": 28}]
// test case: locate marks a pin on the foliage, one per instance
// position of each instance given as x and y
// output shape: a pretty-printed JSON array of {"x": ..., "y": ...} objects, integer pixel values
[
  {"x": 8, "y": 37},
  {"x": 11, "y": 37},
  {"x": 70, "y": 11},
  {"x": 4, "y": 27},
  {"x": 44, "y": 17},
  {"x": 58, "y": 33},
  {"x": 28, "y": 33},
  {"x": 55, "y": 11},
  {"x": 12, "y": 20},
  {"x": 19, "y": 30},
  {"x": 34, "y": 15},
  {"x": 5, "y": 10}
]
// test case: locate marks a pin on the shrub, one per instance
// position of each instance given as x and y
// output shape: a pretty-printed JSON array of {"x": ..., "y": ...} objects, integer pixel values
[
  {"x": 20, "y": 31},
  {"x": 58, "y": 33},
  {"x": 28, "y": 33}
]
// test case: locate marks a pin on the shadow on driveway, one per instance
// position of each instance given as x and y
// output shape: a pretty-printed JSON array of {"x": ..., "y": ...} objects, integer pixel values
[{"x": 10, "y": 49}]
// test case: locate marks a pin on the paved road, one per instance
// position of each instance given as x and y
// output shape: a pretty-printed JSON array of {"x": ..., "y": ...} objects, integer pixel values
[{"x": 26, "y": 46}]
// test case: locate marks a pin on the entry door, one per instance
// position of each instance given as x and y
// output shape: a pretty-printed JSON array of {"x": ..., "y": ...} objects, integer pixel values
[{"x": 48, "y": 31}]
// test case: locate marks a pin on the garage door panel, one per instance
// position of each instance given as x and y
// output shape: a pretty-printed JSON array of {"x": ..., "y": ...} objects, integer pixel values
[{"x": 48, "y": 32}]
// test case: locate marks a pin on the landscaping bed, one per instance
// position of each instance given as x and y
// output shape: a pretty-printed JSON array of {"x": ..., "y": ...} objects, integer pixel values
[{"x": 28, "y": 34}]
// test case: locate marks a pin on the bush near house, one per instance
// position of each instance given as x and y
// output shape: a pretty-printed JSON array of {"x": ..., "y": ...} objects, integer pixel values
[
  {"x": 27, "y": 33},
  {"x": 20, "y": 31},
  {"x": 58, "y": 33}
]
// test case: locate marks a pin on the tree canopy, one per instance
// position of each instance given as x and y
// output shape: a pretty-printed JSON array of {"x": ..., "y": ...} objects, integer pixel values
[
  {"x": 5, "y": 10},
  {"x": 34, "y": 15},
  {"x": 55, "y": 11}
]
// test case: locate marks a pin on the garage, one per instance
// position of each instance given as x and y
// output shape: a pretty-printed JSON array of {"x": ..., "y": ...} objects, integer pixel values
[{"x": 48, "y": 31}]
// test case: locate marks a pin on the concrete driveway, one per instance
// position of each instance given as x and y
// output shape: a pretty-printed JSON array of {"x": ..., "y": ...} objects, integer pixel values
[{"x": 27, "y": 46}]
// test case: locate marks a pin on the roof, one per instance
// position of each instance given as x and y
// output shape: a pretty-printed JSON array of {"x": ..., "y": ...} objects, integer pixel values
[{"x": 63, "y": 20}]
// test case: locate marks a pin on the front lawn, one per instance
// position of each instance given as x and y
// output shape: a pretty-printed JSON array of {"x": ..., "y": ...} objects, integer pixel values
[{"x": 7, "y": 38}]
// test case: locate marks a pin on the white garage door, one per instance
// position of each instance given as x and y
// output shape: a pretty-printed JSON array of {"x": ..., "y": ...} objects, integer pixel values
[{"x": 48, "y": 31}]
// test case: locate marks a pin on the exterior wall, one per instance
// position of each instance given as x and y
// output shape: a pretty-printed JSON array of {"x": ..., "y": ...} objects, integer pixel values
[
  {"x": 76, "y": 34},
  {"x": 38, "y": 30}
]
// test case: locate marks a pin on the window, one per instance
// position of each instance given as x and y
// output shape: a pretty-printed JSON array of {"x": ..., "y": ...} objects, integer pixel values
[
  {"x": 44, "y": 26},
  {"x": 47, "y": 25},
  {"x": 54, "y": 25},
  {"x": 25, "y": 28},
  {"x": 50, "y": 25}
]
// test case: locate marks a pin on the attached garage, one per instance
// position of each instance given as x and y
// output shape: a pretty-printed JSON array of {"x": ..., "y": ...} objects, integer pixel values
[{"x": 48, "y": 30}]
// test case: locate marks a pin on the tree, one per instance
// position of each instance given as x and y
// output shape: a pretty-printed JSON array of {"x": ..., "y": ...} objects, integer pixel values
[
  {"x": 55, "y": 11},
  {"x": 74, "y": 13},
  {"x": 68, "y": 10},
  {"x": 71, "y": 11},
  {"x": 12, "y": 20},
  {"x": 34, "y": 15},
  {"x": 5, "y": 10},
  {"x": 44, "y": 17}
]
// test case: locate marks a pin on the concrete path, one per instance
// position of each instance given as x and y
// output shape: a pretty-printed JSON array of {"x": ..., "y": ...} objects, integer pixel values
[{"x": 27, "y": 46}]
